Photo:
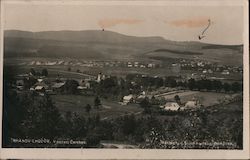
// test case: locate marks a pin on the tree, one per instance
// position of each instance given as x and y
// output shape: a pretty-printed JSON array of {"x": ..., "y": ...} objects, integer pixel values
[
  {"x": 158, "y": 82},
  {"x": 145, "y": 105},
  {"x": 70, "y": 87},
  {"x": 43, "y": 119},
  {"x": 208, "y": 84},
  {"x": 154, "y": 101},
  {"x": 226, "y": 87},
  {"x": 191, "y": 84},
  {"x": 92, "y": 140},
  {"x": 13, "y": 115},
  {"x": 217, "y": 85},
  {"x": 108, "y": 86},
  {"x": 236, "y": 87},
  {"x": 97, "y": 102},
  {"x": 32, "y": 71},
  {"x": 87, "y": 108},
  {"x": 68, "y": 124},
  {"x": 45, "y": 72},
  {"x": 29, "y": 82},
  {"x": 129, "y": 124},
  {"x": 177, "y": 99},
  {"x": 170, "y": 82},
  {"x": 79, "y": 128}
]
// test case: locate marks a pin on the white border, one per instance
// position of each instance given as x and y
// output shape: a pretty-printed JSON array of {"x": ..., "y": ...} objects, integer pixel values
[{"x": 137, "y": 153}]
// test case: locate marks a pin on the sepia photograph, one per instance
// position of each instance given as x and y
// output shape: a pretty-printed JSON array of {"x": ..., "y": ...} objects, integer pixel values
[{"x": 128, "y": 75}]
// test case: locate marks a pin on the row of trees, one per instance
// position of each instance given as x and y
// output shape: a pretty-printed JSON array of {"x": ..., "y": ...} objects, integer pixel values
[
  {"x": 135, "y": 84},
  {"x": 192, "y": 84},
  {"x": 43, "y": 72},
  {"x": 213, "y": 85}
]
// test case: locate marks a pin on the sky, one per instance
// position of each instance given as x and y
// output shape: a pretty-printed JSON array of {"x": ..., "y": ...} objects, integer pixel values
[{"x": 177, "y": 23}]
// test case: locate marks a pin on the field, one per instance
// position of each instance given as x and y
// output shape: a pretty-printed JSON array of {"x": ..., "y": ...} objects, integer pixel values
[
  {"x": 206, "y": 98},
  {"x": 77, "y": 103}
]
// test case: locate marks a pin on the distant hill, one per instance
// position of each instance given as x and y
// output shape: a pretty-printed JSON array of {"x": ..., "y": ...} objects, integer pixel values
[{"x": 97, "y": 44}]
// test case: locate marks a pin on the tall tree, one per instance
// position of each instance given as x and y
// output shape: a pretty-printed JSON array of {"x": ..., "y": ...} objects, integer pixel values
[
  {"x": 177, "y": 99},
  {"x": 88, "y": 108},
  {"x": 226, "y": 87},
  {"x": 45, "y": 72},
  {"x": 70, "y": 87},
  {"x": 97, "y": 102},
  {"x": 146, "y": 105},
  {"x": 191, "y": 84},
  {"x": 32, "y": 71}
]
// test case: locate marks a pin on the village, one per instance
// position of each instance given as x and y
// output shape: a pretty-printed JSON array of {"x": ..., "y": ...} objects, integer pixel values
[
  {"x": 168, "y": 93},
  {"x": 196, "y": 65}
]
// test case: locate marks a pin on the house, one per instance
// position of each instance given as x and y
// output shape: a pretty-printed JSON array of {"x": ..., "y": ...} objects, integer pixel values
[
  {"x": 192, "y": 104},
  {"x": 136, "y": 64},
  {"x": 128, "y": 99},
  {"x": 142, "y": 66},
  {"x": 20, "y": 88},
  {"x": 40, "y": 89},
  {"x": 225, "y": 72},
  {"x": 140, "y": 98},
  {"x": 204, "y": 71},
  {"x": 58, "y": 87},
  {"x": 100, "y": 77},
  {"x": 41, "y": 83},
  {"x": 84, "y": 84},
  {"x": 130, "y": 65},
  {"x": 151, "y": 65},
  {"x": 20, "y": 82},
  {"x": 81, "y": 87},
  {"x": 39, "y": 79},
  {"x": 171, "y": 106}
]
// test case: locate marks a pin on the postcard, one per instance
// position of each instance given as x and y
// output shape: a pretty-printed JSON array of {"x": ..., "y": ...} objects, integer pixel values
[{"x": 124, "y": 79}]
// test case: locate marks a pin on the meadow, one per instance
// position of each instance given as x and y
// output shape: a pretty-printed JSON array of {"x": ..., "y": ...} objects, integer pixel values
[{"x": 108, "y": 109}]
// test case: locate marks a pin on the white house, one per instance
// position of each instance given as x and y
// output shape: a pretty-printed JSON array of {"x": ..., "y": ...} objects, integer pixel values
[
  {"x": 171, "y": 106},
  {"x": 41, "y": 83},
  {"x": 127, "y": 99},
  {"x": 40, "y": 88},
  {"x": 225, "y": 72},
  {"x": 100, "y": 77}
]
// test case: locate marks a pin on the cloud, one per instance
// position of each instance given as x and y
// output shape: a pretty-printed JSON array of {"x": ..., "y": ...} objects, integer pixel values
[
  {"x": 107, "y": 23},
  {"x": 190, "y": 23}
]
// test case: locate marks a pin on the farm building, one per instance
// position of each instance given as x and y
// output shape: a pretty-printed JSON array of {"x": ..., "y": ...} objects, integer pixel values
[
  {"x": 41, "y": 83},
  {"x": 127, "y": 99},
  {"x": 40, "y": 88},
  {"x": 171, "y": 106}
]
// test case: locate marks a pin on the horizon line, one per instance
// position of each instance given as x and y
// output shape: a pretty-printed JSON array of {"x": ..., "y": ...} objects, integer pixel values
[{"x": 102, "y": 29}]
